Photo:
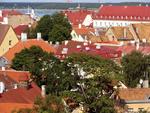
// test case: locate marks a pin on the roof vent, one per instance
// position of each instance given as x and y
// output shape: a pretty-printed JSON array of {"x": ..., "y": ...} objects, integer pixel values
[
  {"x": 15, "y": 86},
  {"x": 85, "y": 43},
  {"x": 64, "y": 51},
  {"x": 98, "y": 47},
  {"x": 78, "y": 46},
  {"x": 87, "y": 48}
]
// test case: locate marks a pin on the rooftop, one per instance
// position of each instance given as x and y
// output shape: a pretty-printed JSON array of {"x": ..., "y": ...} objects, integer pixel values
[{"x": 27, "y": 44}]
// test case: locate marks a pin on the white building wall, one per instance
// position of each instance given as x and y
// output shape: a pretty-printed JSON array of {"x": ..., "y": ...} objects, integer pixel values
[
  {"x": 88, "y": 20},
  {"x": 109, "y": 23}
]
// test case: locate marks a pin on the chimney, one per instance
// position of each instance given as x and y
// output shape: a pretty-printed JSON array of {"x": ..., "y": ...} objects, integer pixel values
[
  {"x": 3, "y": 68},
  {"x": 98, "y": 46},
  {"x": 66, "y": 42},
  {"x": 15, "y": 86},
  {"x": 39, "y": 36},
  {"x": 5, "y": 20},
  {"x": 146, "y": 81},
  {"x": 125, "y": 33},
  {"x": 80, "y": 26},
  {"x": 23, "y": 37},
  {"x": 146, "y": 84},
  {"x": 50, "y": 42},
  {"x": 57, "y": 43},
  {"x": 1, "y": 13},
  {"x": 87, "y": 48},
  {"x": 2, "y": 87},
  {"x": 137, "y": 45},
  {"x": 43, "y": 91}
]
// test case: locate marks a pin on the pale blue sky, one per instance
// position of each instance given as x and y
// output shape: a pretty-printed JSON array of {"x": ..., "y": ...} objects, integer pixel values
[{"x": 75, "y": 0}]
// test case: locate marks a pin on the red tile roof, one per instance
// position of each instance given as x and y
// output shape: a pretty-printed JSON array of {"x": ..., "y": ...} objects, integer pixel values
[
  {"x": 10, "y": 12},
  {"x": 136, "y": 13},
  {"x": 27, "y": 44},
  {"x": 21, "y": 95},
  {"x": 77, "y": 17},
  {"x": 80, "y": 47},
  {"x": 20, "y": 29},
  {"x": 83, "y": 30},
  {"x": 17, "y": 76}
]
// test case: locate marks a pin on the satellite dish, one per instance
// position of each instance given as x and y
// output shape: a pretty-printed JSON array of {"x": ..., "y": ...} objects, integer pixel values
[
  {"x": 141, "y": 81},
  {"x": 2, "y": 87}
]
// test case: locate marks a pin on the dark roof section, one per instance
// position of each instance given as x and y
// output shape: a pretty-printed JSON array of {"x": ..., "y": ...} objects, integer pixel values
[{"x": 3, "y": 31}]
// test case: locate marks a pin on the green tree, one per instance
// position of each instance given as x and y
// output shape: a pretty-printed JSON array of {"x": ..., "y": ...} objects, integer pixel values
[
  {"x": 134, "y": 65},
  {"x": 36, "y": 61},
  {"x": 59, "y": 33},
  {"x": 53, "y": 28},
  {"x": 44, "y": 26}
]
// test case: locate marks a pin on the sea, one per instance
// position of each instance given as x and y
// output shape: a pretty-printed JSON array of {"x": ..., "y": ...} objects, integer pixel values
[{"x": 40, "y": 12}]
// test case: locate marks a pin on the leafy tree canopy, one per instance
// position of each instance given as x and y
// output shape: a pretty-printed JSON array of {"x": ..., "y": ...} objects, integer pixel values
[
  {"x": 134, "y": 65},
  {"x": 53, "y": 28}
]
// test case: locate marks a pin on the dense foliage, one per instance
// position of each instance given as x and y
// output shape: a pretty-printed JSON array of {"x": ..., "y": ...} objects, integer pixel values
[
  {"x": 55, "y": 28},
  {"x": 84, "y": 78},
  {"x": 134, "y": 66}
]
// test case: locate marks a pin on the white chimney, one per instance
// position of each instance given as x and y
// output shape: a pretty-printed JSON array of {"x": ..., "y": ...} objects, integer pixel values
[
  {"x": 80, "y": 26},
  {"x": 87, "y": 48},
  {"x": 23, "y": 36},
  {"x": 85, "y": 43},
  {"x": 66, "y": 42},
  {"x": 98, "y": 46},
  {"x": 15, "y": 86},
  {"x": 146, "y": 84},
  {"x": 2, "y": 87},
  {"x": 137, "y": 45},
  {"x": 5, "y": 20},
  {"x": 57, "y": 43},
  {"x": 1, "y": 13},
  {"x": 65, "y": 50},
  {"x": 3, "y": 68},
  {"x": 78, "y": 46},
  {"x": 39, "y": 36},
  {"x": 43, "y": 91},
  {"x": 50, "y": 42}
]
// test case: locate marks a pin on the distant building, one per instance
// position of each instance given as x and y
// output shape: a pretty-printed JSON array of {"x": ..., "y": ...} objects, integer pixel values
[
  {"x": 134, "y": 99},
  {"x": 15, "y": 18}
]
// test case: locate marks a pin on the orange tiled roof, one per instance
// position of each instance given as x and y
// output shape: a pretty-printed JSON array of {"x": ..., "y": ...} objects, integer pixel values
[
  {"x": 17, "y": 76},
  {"x": 27, "y": 44},
  {"x": 134, "y": 94},
  {"x": 9, "y": 107}
]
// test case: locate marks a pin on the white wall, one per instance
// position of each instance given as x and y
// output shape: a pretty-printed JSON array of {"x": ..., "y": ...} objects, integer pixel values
[
  {"x": 88, "y": 20},
  {"x": 109, "y": 23}
]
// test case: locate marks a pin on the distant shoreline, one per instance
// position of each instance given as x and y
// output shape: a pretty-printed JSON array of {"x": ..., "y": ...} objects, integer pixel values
[{"x": 52, "y": 5}]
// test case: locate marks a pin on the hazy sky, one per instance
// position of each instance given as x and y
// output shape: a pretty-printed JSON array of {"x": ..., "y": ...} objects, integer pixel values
[{"x": 74, "y": 0}]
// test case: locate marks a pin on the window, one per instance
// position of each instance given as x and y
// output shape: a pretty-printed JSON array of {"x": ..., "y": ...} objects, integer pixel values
[
  {"x": 141, "y": 109},
  {"x": 130, "y": 109},
  {"x": 10, "y": 42}
]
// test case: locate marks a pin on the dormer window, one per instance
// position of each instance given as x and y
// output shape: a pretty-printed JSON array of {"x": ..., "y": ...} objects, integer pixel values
[
  {"x": 109, "y": 16},
  {"x": 126, "y": 17},
  {"x": 117, "y": 17},
  {"x": 143, "y": 18},
  {"x": 131, "y": 17},
  {"x": 113, "y": 17},
  {"x": 121, "y": 17}
]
